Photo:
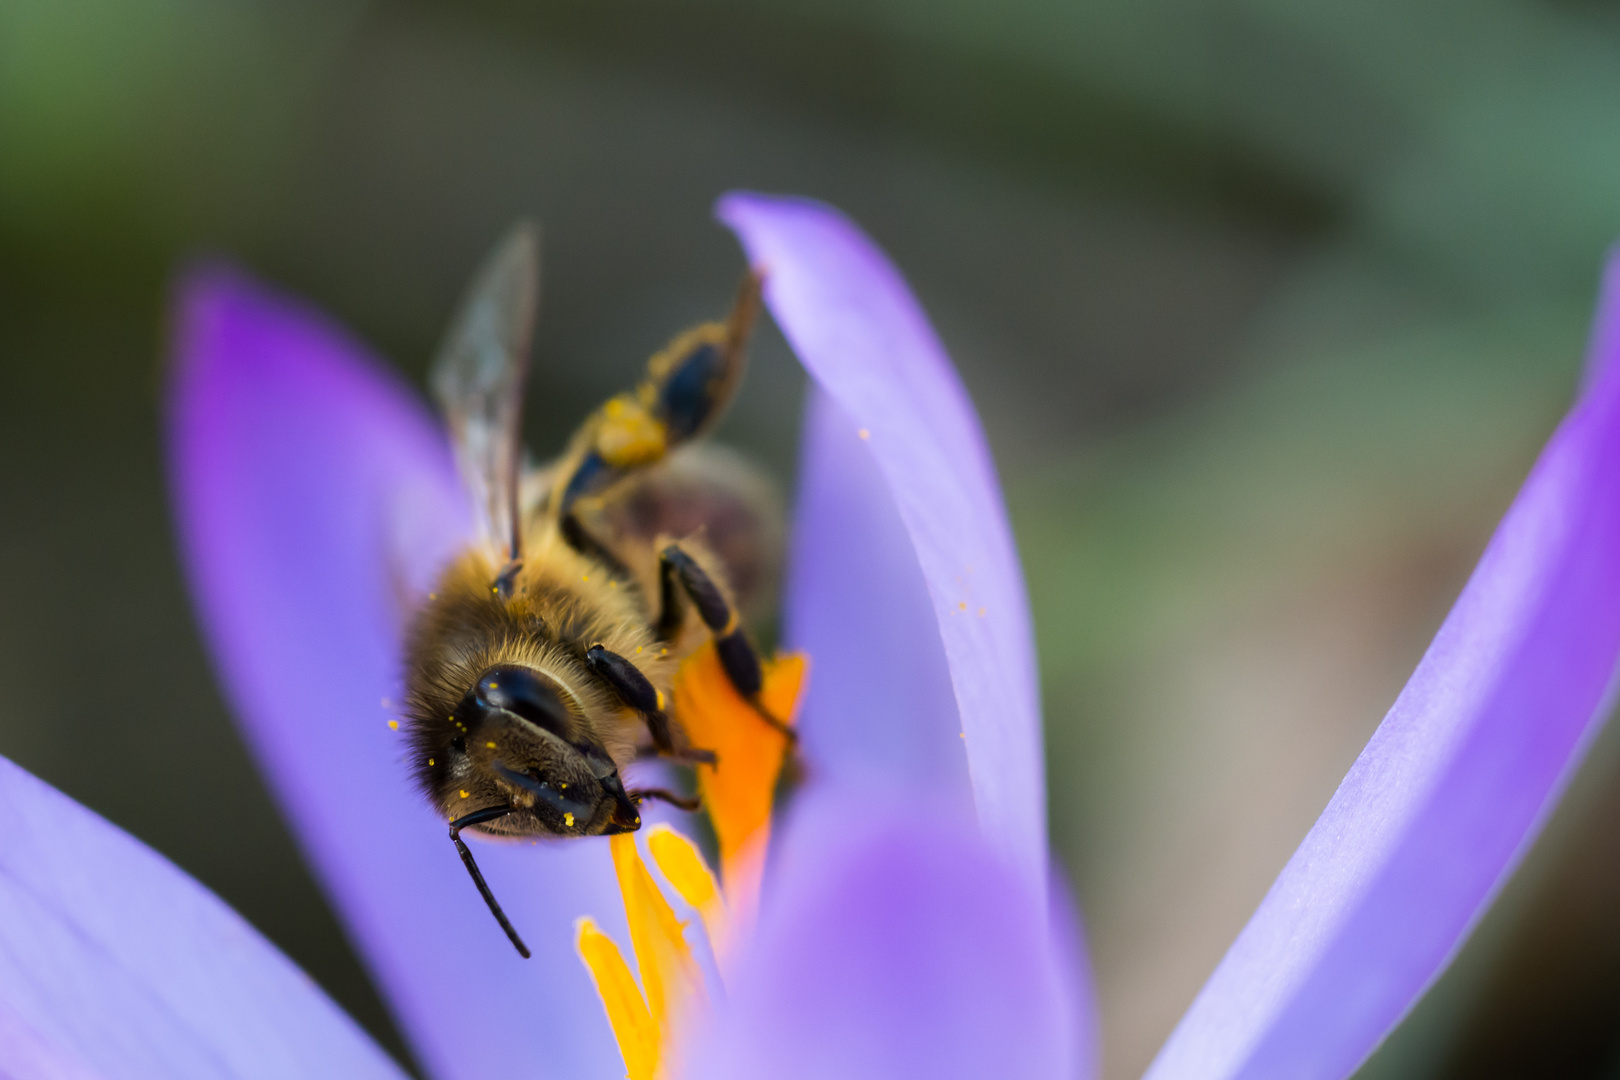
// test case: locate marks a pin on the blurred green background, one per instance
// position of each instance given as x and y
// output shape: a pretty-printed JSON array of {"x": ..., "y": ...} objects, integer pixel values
[{"x": 1267, "y": 308}]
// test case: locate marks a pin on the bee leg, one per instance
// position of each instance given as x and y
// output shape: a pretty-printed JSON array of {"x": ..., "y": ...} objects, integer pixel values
[
  {"x": 689, "y": 805},
  {"x": 685, "y": 755},
  {"x": 478, "y": 817},
  {"x": 576, "y": 536},
  {"x": 686, "y": 388},
  {"x": 678, "y": 574},
  {"x": 638, "y": 693}
]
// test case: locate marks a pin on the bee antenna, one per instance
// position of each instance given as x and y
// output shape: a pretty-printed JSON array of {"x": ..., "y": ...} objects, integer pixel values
[
  {"x": 478, "y": 817},
  {"x": 689, "y": 805}
]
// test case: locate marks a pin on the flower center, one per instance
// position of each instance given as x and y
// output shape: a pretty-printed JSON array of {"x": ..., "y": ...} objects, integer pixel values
[{"x": 737, "y": 793}]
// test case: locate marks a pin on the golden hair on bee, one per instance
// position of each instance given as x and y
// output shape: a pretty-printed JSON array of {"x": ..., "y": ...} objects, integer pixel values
[{"x": 539, "y": 669}]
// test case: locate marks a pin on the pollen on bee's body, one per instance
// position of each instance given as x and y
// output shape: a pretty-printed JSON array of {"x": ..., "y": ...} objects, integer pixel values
[
  {"x": 568, "y": 820},
  {"x": 490, "y": 745},
  {"x": 430, "y": 761},
  {"x": 463, "y": 794}
]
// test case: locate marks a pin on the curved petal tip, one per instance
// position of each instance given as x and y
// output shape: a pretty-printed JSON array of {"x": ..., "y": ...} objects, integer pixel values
[{"x": 862, "y": 337}]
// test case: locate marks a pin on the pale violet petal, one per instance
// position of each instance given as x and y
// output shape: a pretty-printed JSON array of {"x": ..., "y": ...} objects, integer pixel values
[
  {"x": 114, "y": 963},
  {"x": 897, "y": 942},
  {"x": 869, "y": 348},
  {"x": 316, "y": 499},
  {"x": 1453, "y": 786}
]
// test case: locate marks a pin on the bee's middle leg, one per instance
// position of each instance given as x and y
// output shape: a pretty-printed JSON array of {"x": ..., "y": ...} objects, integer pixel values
[{"x": 679, "y": 575}]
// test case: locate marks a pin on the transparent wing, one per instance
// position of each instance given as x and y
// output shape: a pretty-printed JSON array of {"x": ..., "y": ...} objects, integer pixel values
[{"x": 478, "y": 379}]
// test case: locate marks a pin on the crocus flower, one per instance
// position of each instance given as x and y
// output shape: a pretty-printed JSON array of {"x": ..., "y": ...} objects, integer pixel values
[{"x": 906, "y": 925}]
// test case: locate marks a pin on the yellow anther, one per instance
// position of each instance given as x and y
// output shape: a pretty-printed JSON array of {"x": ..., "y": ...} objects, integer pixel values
[
  {"x": 669, "y": 974},
  {"x": 627, "y": 1011},
  {"x": 690, "y": 876}
]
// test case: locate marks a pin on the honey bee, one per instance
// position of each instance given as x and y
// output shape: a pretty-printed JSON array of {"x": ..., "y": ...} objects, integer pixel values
[{"x": 540, "y": 667}]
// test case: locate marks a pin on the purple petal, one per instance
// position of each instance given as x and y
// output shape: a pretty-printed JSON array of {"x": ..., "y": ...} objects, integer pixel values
[
  {"x": 906, "y": 947},
  {"x": 115, "y": 963},
  {"x": 1453, "y": 786},
  {"x": 316, "y": 499},
  {"x": 862, "y": 337},
  {"x": 879, "y": 708}
]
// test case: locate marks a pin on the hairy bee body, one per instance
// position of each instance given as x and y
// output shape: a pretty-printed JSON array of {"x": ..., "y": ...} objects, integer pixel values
[
  {"x": 541, "y": 666},
  {"x": 563, "y": 601}
]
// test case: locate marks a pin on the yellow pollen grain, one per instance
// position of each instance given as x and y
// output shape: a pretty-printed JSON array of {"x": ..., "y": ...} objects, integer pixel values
[
  {"x": 981, "y": 613},
  {"x": 568, "y": 819},
  {"x": 864, "y": 434},
  {"x": 393, "y": 725},
  {"x": 463, "y": 794},
  {"x": 587, "y": 577},
  {"x": 638, "y": 650},
  {"x": 490, "y": 745},
  {"x": 961, "y": 605},
  {"x": 433, "y": 596},
  {"x": 430, "y": 761}
]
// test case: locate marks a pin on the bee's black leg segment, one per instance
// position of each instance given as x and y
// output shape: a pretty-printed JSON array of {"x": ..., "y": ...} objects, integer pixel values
[
  {"x": 634, "y": 689},
  {"x": 478, "y": 817},
  {"x": 737, "y": 655},
  {"x": 679, "y": 573},
  {"x": 689, "y": 805},
  {"x": 686, "y": 755},
  {"x": 576, "y": 536}
]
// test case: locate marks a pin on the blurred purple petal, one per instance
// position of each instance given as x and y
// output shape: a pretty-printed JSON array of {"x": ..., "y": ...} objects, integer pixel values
[
  {"x": 316, "y": 498},
  {"x": 1453, "y": 786},
  {"x": 904, "y": 947},
  {"x": 114, "y": 963},
  {"x": 879, "y": 708},
  {"x": 860, "y": 334}
]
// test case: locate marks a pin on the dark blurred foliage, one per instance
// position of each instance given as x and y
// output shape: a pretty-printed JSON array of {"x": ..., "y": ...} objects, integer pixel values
[{"x": 1267, "y": 308}]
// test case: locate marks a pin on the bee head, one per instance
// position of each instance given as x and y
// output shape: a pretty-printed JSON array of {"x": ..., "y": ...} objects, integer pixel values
[{"x": 521, "y": 744}]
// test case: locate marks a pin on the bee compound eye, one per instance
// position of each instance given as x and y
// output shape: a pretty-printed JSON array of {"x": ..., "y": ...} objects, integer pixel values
[{"x": 525, "y": 693}]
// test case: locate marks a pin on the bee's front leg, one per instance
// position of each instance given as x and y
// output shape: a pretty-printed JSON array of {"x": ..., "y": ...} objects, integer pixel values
[{"x": 636, "y": 691}]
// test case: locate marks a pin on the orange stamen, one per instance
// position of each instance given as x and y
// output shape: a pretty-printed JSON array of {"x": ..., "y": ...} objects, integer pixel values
[{"x": 737, "y": 792}]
